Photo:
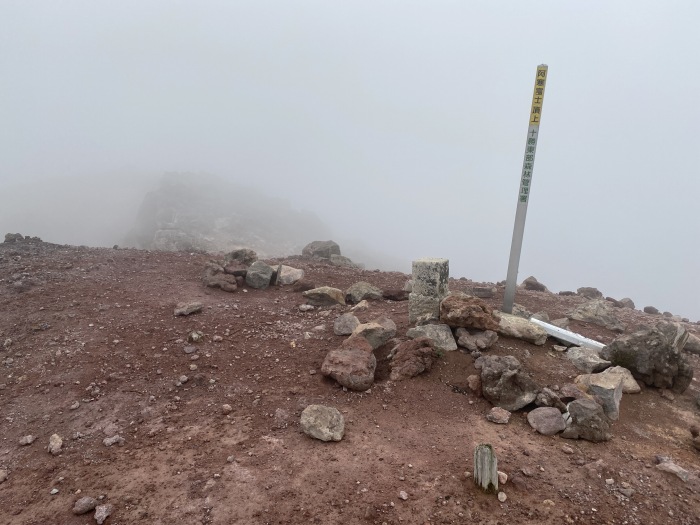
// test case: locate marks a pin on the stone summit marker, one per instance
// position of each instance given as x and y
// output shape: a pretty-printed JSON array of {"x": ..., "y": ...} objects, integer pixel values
[{"x": 429, "y": 289}]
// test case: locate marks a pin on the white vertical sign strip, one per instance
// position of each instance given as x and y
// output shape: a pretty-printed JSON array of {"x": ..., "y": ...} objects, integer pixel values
[{"x": 533, "y": 132}]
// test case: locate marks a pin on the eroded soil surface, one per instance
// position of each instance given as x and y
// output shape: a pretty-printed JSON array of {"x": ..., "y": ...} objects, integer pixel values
[{"x": 94, "y": 329}]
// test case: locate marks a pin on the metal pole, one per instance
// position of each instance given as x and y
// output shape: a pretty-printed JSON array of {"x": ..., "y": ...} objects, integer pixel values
[{"x": 533, "y": 132}]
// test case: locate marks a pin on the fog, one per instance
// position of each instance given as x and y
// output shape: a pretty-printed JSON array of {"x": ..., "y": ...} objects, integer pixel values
[{"x": 401, "y": 125}]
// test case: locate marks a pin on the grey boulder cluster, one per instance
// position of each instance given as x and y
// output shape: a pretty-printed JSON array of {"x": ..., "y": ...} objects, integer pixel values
[
  {"x": 18, "y": 237},
  {"x": 328, "y": 251}
]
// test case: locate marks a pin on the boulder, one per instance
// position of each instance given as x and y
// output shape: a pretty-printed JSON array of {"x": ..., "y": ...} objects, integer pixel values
[
  {"x": 606, "y": 389},
  {"x": 504, "y": 384},
  {"x": 585, "y": 419},
  {"x": 84, "y": 505},
  {"x": 288, "y": 275},
  {"x": 324, "y": 296},
  {"x": 590, "y": 292},
  {"x": 651, "y": 310},
  {"x": 571, "y": 392},
  {"x": 629, "y": 384},
  {"x": 13, "y": 237},
  {"x": 484, "y": 292},
  {"x": 626, "y": 302},
  {"x": 548, "y": 398},
  {"x": 498, "y": 415},
  {"x": 343, "y": 262},
  {"x": 345, "y": 324},
  {"x": 243, "y": 256},
  {"x": 362, "y": 290},
  {"x": 352, "y": 365},
  {"x": 476, "y": 339},
  {"x": 303, "y": 285},
  {"x": 423, "y": 308},
  {"x": 546, "y": 420},
  {"x": 411, "y": 358},
  {"x": 466, "y": 311},
  {"x": 654, "y": 356},
  {"x": 215, "y": 277},
  {"x": 376, "y": 332},
  {"x": 531, "y": 283},
  {"x": 321, "y": 249},
  {"x": 259, "y": 275},
  {"x": 514, "y": 326},
  {"x": 439, "y": 334},
  {"x": 395, "y": 295},
  {"x": 322, "y": 422},
  {"x": 586, "y": 360},
  {"x": 599, "y": 312}
]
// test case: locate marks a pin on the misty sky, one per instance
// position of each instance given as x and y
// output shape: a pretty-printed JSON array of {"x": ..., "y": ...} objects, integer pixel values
[{"x": 400, "y": 123}]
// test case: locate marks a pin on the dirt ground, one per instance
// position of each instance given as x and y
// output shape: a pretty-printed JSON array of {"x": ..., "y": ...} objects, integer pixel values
[{"x": 96, "y": 327}]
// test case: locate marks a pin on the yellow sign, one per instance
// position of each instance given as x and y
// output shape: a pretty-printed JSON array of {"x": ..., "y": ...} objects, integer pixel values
[{"x": 538, "y": 95}]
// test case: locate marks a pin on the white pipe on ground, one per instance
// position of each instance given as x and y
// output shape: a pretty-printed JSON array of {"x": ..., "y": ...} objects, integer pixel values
[{"x": 569, "y": 337}]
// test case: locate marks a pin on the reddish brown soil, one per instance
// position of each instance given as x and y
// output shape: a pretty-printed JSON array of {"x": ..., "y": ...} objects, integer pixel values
[{"x": 97, "y": 326}]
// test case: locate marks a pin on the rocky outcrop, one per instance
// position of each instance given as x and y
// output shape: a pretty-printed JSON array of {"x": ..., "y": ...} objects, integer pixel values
[
  {"x": 654, "y": 356},
  {"x": 599, "y": 312},
  {"x": 411, "y": 358},
  {"x": 504, "y": 384},
  {"x": 466, "y": 311}
]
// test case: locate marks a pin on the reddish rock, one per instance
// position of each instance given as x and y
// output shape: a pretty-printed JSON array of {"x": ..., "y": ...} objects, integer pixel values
[
  {"x": 412, "y": 358},
  {"x": 352, "y": 365},
  {"x": 466, "y": 311}
]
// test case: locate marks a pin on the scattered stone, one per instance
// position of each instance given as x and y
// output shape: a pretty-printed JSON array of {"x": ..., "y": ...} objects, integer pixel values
[
  {"x": 504, "y": 384},
  {"x": 439, "y": 334},
  {"x": 498, "y": 415},
  {"x": 322, "y": 422},
  {"x": 55, "y": 445},
  {"x": 303, "y": 285},
  {"x": 53, "y": 491},
  {"x": 546, "y": 420},
  {"x": 3, "y": 475},
  {"x": 570, "y": 391},
  {"x": 214, "y": 276},
  {"x": 189, "y": 349},
  {"x": 226, "y": 409},
  {"x": 476, "y": 340},
  {"x": 243, "y": 256},
  {"x": 586, "y": 360},
  {"x": 561, "y": 323},
  {"x": 395, "y": 295},
  {"x": 324, "y": 296},
  {"x": 606, "y": 389},
  {"x": 465, "y": 311},
  {"x": 671, "y": 467},
  {"x": 629, "y": 384},
  {"x": 541, "y": 316},
  {"x": 548, "y": 398},
  {"x": 26, "y": 440},
  {"x": 692, "y": 345},
  {"x": 352, "y": 365},
  {"x": 187, "y": 308},
  {"x": 411, "y": 358},
  {"x": 403, "y": 495},
  {"x": 474, "y": 384},
  {"x": 502, "y": 497},
  {"x": 654, "y": 356},
  {"x": 102, "y": 512},
  {"x": 376, "y": 332},
  {"x": 566, "y": 449},
  {"x": 360, "y": 291},
  {"x": 667, "y": 395},
  {"x": 321, "y": 249},
  {"x": 484, "y": 292},
  {"x": 345, "y": 324},
  {"x": 651, "y": 310},
  {"x": 259, "y": 275},
  {"x": 520, "y": 328},
  {"x": 114, "y": 440},
  {"x": 84, "y": 505},
  {"x": 502, "y": 478},
  {"x": 626, "y": 302},
  {"x": 531, "y": 283},
  {"x": 520, "y": 311},
  {"x": 195, "y": 336},
  {"x": 585, "y": 419},
  {"x": 306, "y": 307},
  {"x": 590, "y": 292},
  {"x": 287, "y": 275},
  {"x": 598, "y": 312},
  {"x": 74, "y": 406},
  {"x": 559, "y": 348},
  {"x": 281, "y": 419}
]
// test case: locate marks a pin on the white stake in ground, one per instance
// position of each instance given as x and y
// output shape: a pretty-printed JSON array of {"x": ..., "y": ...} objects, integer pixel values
[{"x": 525, "y": 184}]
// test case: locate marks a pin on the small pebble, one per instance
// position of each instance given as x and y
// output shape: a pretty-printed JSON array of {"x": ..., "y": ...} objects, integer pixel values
[
  {"x": 53, "y": 492},
  {"x": 403, "y": 495},
  {"x": 226, "y": 409},
  {"x": 502, "y": 497}
]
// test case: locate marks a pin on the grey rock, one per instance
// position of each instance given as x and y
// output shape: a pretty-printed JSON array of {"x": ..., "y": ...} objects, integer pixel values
[
  {"x": 531, "y": 283},
  {"x": 171, "y": 240},
  {"x": 345, "y": 324},
  {"x": 343, "y": 262},
  {"x": 187, "y": 308},
  {"x": 626, "y": 302},
  {"x": 651, "y": 310},
  {"x": 214, "y": 276},
  {"x": 423, "y": 308},
  {"x": 484, "y": 292},
  {"x": 324, "y": 296},
  {"x": 585, "y": 419},
  {"x": 561, "y": 323},
  {"x": 439, "y": 334},
  {"x": 520, "y": 311},
  {"x": 590, "y": 292},
  {"x": 321, "y": 249},
  {"x": 376, "y": 332},
  {"x": 13, "y": 237},
  {"x": 411, "y": 358},
  {"x": 84, "y": 505},
  {"x": 3, "y": 473},
  {"x": 548, "y": 398},
  {"x": 654, "y": 356},
  {"x": 504, "y": 384},
  {"x": 465, "y": 311},
  {"x": 586, "y": 360},
  {"x": 606, "y": 389},
  {"x": 475, "y": 339},
  {"x": 114, "y": 440},
  {"x": 281, "y": 419},
  {"x": 287, "y": 275},
  {"x": 546, "y": 420},
  {"x": 26, "y": 440},
  {"x": 541, "y": 316},
  {"x": 322, "y": 422},
  {"x": 259, "y": 275},
  {"x": 519, "y": 328},
  {"x": 362, "y": 290},
  {"x": 629, "y": 384},
  {"x": 102, "y": 512},
  {"x": 599, "y": 312},
  {"x": 671, "y": 467},
  {"x": 244, "y": 256},
  {"x": 395, "y": 295},
  {"x": 352, "y": 365},
  {"x": 692, "y": 345},
  {"x": 55, "y": 445}
]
